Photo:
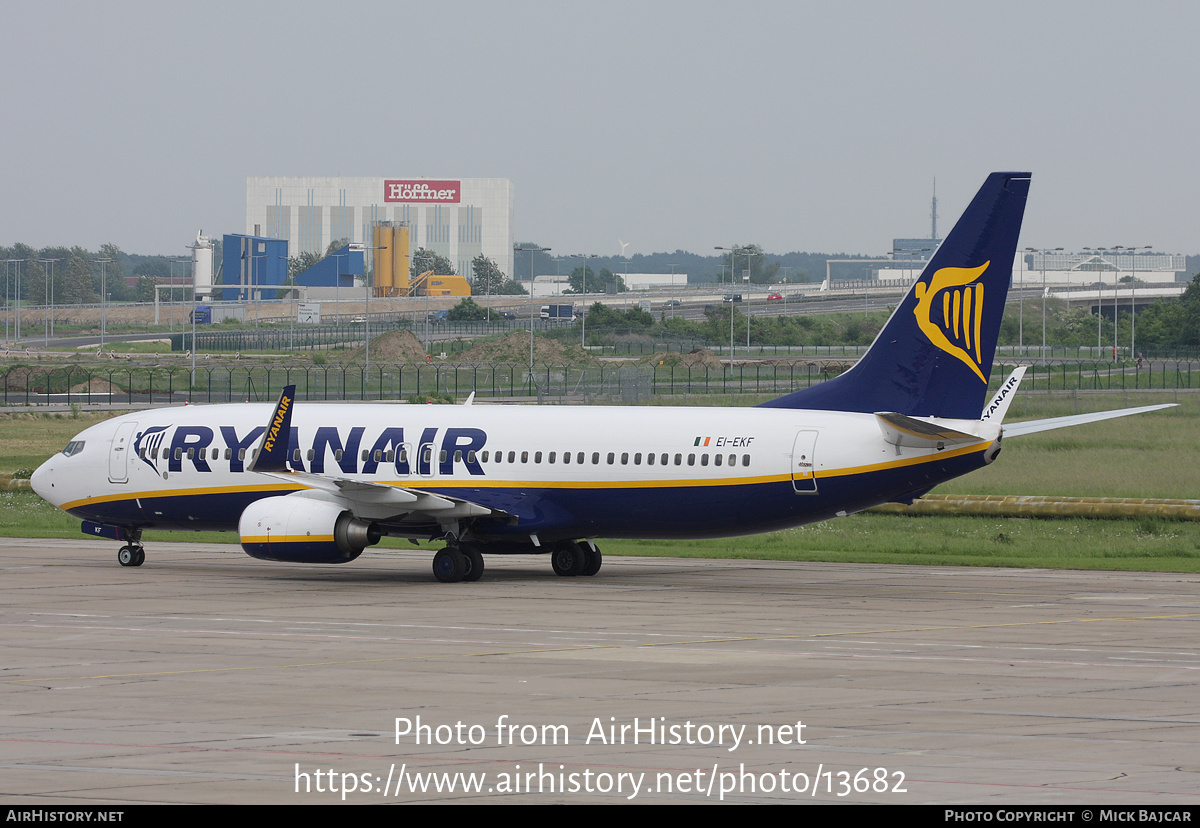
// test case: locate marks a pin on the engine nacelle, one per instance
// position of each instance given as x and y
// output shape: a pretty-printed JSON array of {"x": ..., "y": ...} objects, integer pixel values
[{"x": 295, "y": 529}]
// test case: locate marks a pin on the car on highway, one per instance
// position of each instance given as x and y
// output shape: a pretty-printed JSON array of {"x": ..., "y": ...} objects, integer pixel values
[
  {"x": 731, "y": 297},
  {"x": 672, "y": 303},
  {"x": 774, "y": 297}
]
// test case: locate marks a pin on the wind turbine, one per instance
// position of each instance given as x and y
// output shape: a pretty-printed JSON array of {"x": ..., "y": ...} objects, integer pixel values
[{"x": 623, "y": 246}]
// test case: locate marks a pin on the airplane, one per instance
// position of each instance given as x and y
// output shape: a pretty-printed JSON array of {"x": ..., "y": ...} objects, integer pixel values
[{"x": 308, "y": 482}]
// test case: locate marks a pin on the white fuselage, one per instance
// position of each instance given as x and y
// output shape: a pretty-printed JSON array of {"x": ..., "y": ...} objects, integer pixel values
[{"x": 558, "y": 472}]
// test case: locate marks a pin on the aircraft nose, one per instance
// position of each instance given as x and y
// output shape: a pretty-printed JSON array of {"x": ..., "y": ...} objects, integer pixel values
[{"x": 42, "y": 480}]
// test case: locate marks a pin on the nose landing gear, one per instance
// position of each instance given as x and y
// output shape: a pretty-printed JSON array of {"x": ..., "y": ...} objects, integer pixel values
[{"x": 132, "y": 555}]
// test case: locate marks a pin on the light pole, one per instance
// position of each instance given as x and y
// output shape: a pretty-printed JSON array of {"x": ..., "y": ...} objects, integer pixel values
[
  {"x": 17, "y": 300},
  {"x": 1099, "y": 251},
  {"x": 746, "y": 280},
  {"x": 103, "y": 299},
  {"x": 1133, "y": 299},
  {"x": 48, "y": 322},
  {"x": 370, "y": 289},
  {"x": 583, "y": 308},
  {"x": 1044, "y": 252},
  {"x": 337, "y": 288},
  {"x": 533, "y": 251},
  {"x": 429, "y": 258},
  {"x": 733, "y": 251}
]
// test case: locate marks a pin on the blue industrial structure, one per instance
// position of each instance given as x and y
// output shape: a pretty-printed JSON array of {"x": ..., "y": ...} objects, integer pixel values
[
  {"x": 250, "y": 265},
  {"x": 338, "y": 269}
]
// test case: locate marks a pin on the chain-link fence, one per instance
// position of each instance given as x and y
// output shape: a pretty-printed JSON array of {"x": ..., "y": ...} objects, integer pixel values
[{"x": 31, "y": 385}]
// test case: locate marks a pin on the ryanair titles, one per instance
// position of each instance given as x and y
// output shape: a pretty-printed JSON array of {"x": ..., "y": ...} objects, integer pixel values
[{"x": 444, "y": 451}]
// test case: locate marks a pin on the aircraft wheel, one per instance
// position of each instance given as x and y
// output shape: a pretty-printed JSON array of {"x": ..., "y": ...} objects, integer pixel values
[
  {"x": 474, "y": 560},
  {"x": 449, "y": 565},
  {"x": 139, "y": 556},
  {"x": 568, "y": 559},
  {"x": 594, "y": 560},
  {"x": 126, "y": 556}
]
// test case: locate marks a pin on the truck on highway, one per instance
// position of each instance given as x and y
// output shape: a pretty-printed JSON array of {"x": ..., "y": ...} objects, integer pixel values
[
  {"x": 210, "y": 314},
  {"x": 564, "y": 313}
]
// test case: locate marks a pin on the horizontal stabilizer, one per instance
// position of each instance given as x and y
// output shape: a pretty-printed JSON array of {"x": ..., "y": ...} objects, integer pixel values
[
  {"x": 900, "y": 430},
  {"x": 1034, "y": 426}
]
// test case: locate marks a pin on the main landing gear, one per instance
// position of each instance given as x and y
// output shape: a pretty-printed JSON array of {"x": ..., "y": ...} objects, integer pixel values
[
  {"x": 131, "y": 555},
  {"x": 458, "y": 563},
  {"x": 463, "y": 561},
  {"x": 570, "y": 558}
]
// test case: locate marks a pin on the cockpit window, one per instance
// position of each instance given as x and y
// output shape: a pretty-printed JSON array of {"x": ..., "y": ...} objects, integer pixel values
[{"x": 73, "y": 447}]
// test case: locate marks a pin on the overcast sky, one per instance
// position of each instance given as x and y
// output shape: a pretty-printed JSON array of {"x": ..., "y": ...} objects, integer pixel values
[{"x": 794, "y": 125}]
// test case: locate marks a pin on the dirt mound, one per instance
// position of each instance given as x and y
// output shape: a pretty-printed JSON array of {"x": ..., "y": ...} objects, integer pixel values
[
  {"x": 695, "y": 357},
  {"x": 397, "y": 346},
  {"x": 96, "y": 385},
  {"x": 514, "y": 348}
]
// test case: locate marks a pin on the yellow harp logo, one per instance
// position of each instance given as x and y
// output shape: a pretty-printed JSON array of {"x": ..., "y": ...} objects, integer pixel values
[{"x": 957, "y": 332}]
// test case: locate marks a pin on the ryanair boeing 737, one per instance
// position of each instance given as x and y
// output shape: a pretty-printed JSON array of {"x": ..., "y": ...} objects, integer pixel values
[{"x": 318, "y": 483}]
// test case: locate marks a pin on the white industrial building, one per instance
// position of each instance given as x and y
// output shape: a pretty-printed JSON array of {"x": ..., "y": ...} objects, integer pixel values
[{"x": 456, "y": 218}]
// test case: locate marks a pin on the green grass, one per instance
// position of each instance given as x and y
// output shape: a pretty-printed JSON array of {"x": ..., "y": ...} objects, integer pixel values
[
  {"x": 957, "y": 541},
  {"x": 1150, "y": 455},
  {"x": 1147, "y": 455}
]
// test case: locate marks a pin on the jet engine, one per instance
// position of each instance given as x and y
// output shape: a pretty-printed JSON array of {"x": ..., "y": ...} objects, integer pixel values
[{"x": 299, "y": 529}]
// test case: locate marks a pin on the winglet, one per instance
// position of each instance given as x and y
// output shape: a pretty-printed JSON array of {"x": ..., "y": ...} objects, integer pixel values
[
  {"x": 998, "y": 407},
  {"x": 271, "y": 454}
]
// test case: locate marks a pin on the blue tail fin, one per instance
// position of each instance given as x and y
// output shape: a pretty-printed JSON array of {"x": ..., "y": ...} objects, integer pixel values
[{"x": 934, "y": 356}]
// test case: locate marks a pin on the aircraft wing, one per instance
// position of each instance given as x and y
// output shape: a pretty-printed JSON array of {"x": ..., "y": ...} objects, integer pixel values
[
  {"x": 366, "y": 499},
  {"x": 379, "y": 501},
  {"x": 1034, "y": 426}
]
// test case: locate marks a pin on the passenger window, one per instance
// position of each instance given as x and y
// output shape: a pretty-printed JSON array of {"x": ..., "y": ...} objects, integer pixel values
[
  {"x": 678, "y": 459},
  {"x": 458, "y": 455},
  {"x": 703, "y": 459},
  {"x": 649, "y": 459},
  {"x": 178, "y": 454},
  {"x": 537, "y": 457},
  {"x": 524, "y": 457},
  {"x": 296, "y": 456},
  {"x": 390, "y": 456},
  {"x": 611, "y": 457},
  {"x": 470, "y": 456},
  {"x": 745, "y": 459},
  {"x": 691, "y": 459},
  {"x": 566, "y": 457},
  {"x": 550, "y": 459},
  {"x": 485, "y": 457},
  {"x": 579, "y": 457},
  {"x": 337, "y": 455},
  {"x": 228, "y": 454},
  {"x": 733, "y": 459},
  {"x": 717, "y": 459},
  {"x": 241, "y": 454},
  {"x": 442, "y": 456},
  {"x": 595, "y": 458},
  {"x": 512, "y": 457},
  {"x": 637, "y": 459},
  {"x": 665, "y": 458},
  {"x": 311, "y": 454},
  {"x": 367, "y": 453},
  {"x": 624, "y": 458}
]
